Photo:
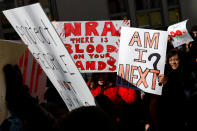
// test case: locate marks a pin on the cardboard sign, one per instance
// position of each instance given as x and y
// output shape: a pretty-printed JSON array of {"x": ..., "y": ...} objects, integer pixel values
[
  {"x": 33, "y": 75},
  {"x": 141, "y": 58},
  {"x": 179, "y": 34},
  {"x": 10, "y": 53},
  {"x": 93, "y": 45},
  {"x": 44, "y": 43}
]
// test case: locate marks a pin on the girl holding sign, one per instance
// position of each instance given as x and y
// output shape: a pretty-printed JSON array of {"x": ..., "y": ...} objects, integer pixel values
[{"x": 177, "y": 81}]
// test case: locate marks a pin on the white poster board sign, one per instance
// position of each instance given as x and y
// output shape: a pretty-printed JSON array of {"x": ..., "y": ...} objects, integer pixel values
[
  {"x": 179, "y": 34},
  {"x": 44, "y": 43},
  {"x": 93, "y": 45},
  {"x": 142, "y": 58}
]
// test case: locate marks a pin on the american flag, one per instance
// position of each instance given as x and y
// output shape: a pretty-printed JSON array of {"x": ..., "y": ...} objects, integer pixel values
[{"x": 33, "y": 76}]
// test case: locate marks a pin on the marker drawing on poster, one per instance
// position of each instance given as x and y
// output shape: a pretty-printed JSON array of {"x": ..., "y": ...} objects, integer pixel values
[
  {"x": 93, "y": 45},
  {"x": 179, "y": 34},
  {"x": 141, "y": 58},
  {"x": 45, "y": 45}
]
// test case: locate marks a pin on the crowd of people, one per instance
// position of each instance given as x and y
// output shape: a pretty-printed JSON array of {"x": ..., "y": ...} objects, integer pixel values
[{"x": 118, "y": 108}]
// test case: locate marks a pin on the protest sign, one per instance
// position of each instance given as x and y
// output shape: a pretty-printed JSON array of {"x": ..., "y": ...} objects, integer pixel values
[
  {"x": 93, "y": 45},
  {"x": 179, "y": 34},
  {"x": 141, "y": 58},
  {"x": 33, "y": 75},
  {"x": 44, "y": 43},
  {"x": 10, "y": 53}
]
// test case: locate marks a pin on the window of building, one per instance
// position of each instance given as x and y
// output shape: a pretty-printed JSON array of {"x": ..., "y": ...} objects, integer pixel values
[
  {"x": 7, "y": 32},
  {"x": 174, "y": 11},
  {"x": 117, "y": 9},
  {"x": 149, "y": 13},
  {"x": 173, "y": 2}
]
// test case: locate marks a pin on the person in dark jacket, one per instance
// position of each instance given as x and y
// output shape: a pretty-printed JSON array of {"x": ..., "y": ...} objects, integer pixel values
[
  {"x": 88, "y": 118},
  {"x": 22, "y": 105},
  {"x": 177, "y": 80}
]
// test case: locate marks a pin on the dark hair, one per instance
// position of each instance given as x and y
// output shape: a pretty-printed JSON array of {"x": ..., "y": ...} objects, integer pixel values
[
  {"x": 110, "y": 80},
  {"x": 174, "y": 52},
  {"x": 21, "y": 104},
  {"x": 194, "y": 28},
  {"x": 88, "y": 118}
]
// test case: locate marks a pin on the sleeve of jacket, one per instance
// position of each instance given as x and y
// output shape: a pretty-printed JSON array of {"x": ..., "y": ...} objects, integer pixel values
[{"x": 127, "y": 94}]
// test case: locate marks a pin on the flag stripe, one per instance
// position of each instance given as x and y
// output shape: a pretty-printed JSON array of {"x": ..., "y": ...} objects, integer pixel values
[
  {"x": 25, "y": 66},
  {"x": 39, "y": 72},
  {"x": 32, "y": 76}
]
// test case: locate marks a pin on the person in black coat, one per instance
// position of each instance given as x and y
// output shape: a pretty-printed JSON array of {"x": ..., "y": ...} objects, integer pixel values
[
  {"x": 22, "y": 105},
  {"x": 172, "y": 103}
]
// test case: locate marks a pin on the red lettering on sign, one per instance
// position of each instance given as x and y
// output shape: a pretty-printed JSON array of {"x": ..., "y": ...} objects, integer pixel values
[
  {"x": 99, "y": 48},
  {"x": 80, "y": 65},
  {"x": 90, "y": 48},
  {"x": 101, "y": 65},
  {"x": 75, "y": 30},
  {"x": 111, "y": 48},
  {"x": 142, "y": 77},
  {"x": 78, "y": 50},
  {"x": 69, "y": 48},
  {"x": 177, "y": 33},
  {"x": 132, "y": 75},
  {"x": 155, "y": 73},
  {"x": 91, "y": 28},
  {"x": 111, "y": 29},
  {"x": 124, "y": 75},
  {"x": 90, "y": 65},
  {"x": 111, "y": 61}
]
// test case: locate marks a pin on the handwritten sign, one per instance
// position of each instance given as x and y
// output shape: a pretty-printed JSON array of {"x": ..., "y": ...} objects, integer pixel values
[
  {"x": 93, "y": 45},
  {"x": 10, "y": 52},
  {"x": 44, "y": 43},
  {"x": 141, "y": 58},
  {"x": 179, "y": 34}
]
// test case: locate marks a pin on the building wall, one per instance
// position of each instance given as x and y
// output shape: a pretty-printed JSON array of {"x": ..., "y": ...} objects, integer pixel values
[
  {"x": 189, "y": 10},
  {"x": 82, "y": 9}
]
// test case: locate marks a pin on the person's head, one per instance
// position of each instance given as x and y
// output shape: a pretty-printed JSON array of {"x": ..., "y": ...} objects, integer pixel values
[
  {"x": 54, "y": 103},
  {"x": 88, "y": 118},
  {"x": 194, "y": 31},
  {"x": 98, "y": 79},
  {"x": 101, "y": 78},
  {"x": 174, "y": 59}
]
